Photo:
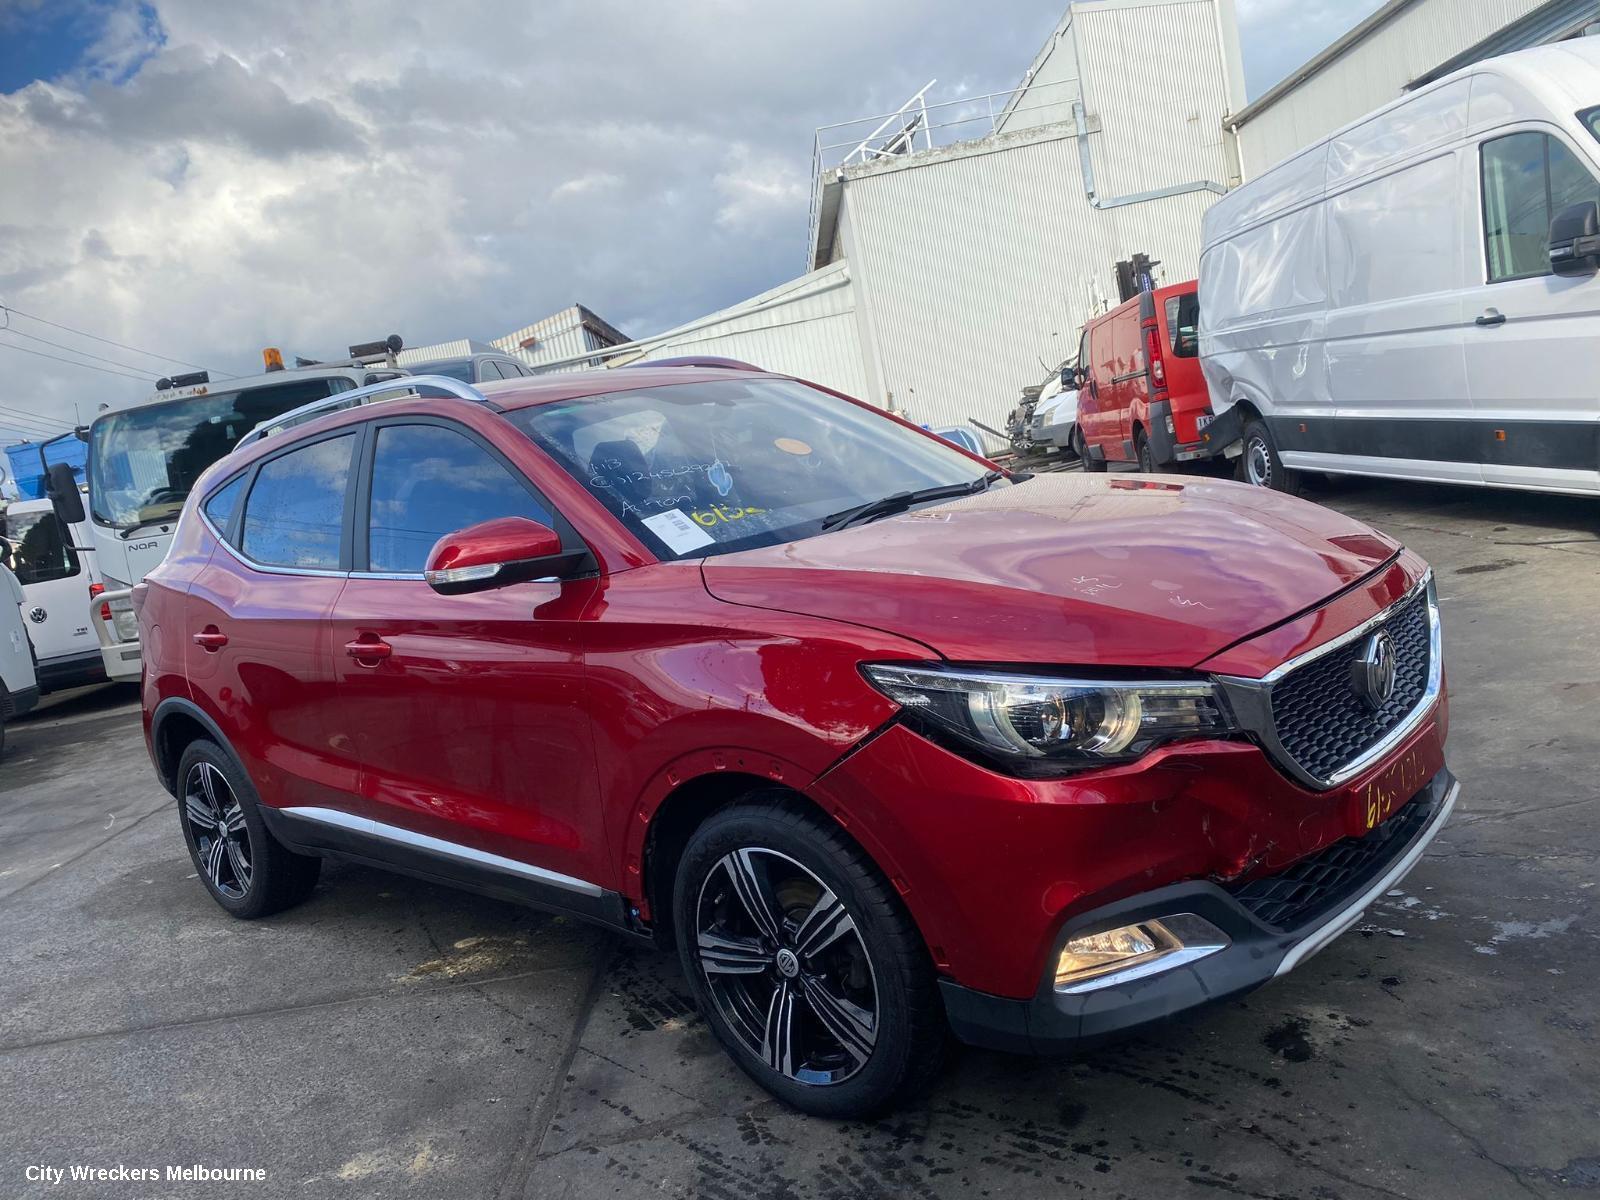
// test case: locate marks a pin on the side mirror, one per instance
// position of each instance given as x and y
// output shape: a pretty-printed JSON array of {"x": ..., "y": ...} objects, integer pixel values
[
  {"x": 61, "y": 485},
  {"x": 1575, "y": 240},
  {"x": 495, "y": 553}
]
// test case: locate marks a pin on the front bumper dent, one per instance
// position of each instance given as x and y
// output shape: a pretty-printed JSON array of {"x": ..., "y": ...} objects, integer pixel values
[{"x": 1057, "y": 1021}]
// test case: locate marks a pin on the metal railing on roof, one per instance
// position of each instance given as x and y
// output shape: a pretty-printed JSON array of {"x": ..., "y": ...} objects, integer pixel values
[{"x": 917, "y": 125}]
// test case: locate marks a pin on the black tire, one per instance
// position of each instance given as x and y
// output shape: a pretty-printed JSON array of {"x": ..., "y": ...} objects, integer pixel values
[
  {"x": 1090, "y": 463},
  {"x": 249, "y": 872},
  {"x": 873, "y": 957},
  {"x": 1260, "y": 465},
  {"x": 1142, "y": 451}
]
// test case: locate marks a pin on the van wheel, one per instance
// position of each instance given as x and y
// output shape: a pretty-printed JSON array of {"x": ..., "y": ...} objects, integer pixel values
[
  {"x": 804, "y": 963},
  {"x": 1259, "y": 464},
  {"x": 1141, "y": 447},
  {"x": 1090, "y": 463},
  {"x": 247, "y": 870}
]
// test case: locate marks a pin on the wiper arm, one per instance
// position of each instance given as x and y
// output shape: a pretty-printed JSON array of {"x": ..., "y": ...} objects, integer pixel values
[
  {"x": 898, "y": 502},
  {"x": 127, "y": 531}
]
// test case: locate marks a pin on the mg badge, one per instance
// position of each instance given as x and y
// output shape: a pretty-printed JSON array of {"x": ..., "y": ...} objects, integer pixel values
[
  {"x": 1372, "y": 673},
  {"x": 37, "y": 615}
]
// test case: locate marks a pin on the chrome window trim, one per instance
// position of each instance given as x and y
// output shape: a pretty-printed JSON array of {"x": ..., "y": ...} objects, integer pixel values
[
  {"x": 408, "y": 576},
  {"x": 421, "y": 841},
  {"x": 1251, "y": 699}
]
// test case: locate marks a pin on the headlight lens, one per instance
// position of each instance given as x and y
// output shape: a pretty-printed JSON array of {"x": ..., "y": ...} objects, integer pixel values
[{"x": 1043, "y": 725}]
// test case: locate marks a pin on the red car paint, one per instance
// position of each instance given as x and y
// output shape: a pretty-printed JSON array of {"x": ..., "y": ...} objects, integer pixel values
[
  {"x": 1142, "y": 367},
  {"x": 549, "y": 722}
]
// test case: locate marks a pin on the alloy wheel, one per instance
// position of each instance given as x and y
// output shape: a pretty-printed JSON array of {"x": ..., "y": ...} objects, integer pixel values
[
  {"x": 1258, "y": 462},
  {"x": 786, "y": 966},
  {"x": 216, "y": 820}
]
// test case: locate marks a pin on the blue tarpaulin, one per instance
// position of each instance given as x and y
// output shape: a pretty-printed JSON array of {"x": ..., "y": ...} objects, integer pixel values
[{"x": 27, "y": 468}]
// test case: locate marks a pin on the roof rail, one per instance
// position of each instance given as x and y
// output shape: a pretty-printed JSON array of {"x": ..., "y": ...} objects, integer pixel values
[
  {"x": 388, "y": 389},
  {"x": 703, "y": 360}
]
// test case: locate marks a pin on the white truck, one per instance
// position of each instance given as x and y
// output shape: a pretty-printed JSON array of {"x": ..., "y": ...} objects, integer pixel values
[
  {"x": 144, "y": 458},
  {"x": 57, "y": 576},
  {"x": 19, "y": 691}
]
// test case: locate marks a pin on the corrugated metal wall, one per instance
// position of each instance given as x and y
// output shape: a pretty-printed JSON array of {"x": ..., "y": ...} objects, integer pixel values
[
  {"x": 1048, "y": 93},
  {"x": 559, "y": 335},
  {"x": 1371, "y": 73},
  {"x": 807, "y": 327},
  {"x": 1153, "y": 74},
  {"x": 977, "y": 269}
]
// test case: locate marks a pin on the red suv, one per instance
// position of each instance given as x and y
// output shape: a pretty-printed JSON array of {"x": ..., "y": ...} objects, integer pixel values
[{"x": 885, "y": 741}]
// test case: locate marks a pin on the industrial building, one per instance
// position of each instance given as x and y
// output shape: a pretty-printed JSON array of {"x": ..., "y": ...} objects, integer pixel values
[
  {"x": 567, "y": 337},
  {"x": 956, "y": 247},
  {"x": 1404, "y": 45}
]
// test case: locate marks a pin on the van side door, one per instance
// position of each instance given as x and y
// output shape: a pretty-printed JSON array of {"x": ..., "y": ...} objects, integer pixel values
[{"x": 1532, "y": 337}]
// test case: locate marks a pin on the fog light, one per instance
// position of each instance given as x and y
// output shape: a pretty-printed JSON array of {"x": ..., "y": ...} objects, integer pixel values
[{"x": 1134, "y": 951}]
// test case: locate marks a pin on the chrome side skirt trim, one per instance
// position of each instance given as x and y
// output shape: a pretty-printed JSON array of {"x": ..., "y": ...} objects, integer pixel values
[
  {"x": 453, "y": 850},
  {"x": 1348, "y": 916}
]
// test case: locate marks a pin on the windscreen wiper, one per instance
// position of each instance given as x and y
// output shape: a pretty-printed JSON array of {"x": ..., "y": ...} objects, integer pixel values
[{"x": 898, "y": 502}]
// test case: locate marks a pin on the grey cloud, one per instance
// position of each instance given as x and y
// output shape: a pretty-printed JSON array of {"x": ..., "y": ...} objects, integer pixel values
[{"x": 182, "y": 97}]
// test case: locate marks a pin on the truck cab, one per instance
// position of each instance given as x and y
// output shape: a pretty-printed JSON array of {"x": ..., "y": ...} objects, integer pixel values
[
  {"x": 1142, "y": 397},
  {"x": 144, "y": 458}
]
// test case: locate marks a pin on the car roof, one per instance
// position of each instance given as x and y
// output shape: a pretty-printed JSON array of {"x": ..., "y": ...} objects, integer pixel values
[{"x": 513, "y": 394}]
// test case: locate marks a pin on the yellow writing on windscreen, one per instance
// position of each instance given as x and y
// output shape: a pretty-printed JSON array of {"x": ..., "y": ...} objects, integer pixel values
[{"x": 717, "y": 514}]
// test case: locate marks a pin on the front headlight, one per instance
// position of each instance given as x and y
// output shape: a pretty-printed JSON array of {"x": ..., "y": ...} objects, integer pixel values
[{"x": 1039, "y": 725}]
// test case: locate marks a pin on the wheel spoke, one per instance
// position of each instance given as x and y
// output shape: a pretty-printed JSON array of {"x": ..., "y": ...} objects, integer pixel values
[
  {"x": 233, "y": 820},
  {"x": 777, "y": 1041},
  {"x": 238, "y": 863},
  {"x": 209, "y": 787},
  {"x": 215, "y": 853},
  {"x": 723, "y": 955},
  {"x": 201, "y": 817},
  {"x": 747, "y": 886},
  {"x": 851, "y": 1025},
  {"x": 825, "y": 924}
]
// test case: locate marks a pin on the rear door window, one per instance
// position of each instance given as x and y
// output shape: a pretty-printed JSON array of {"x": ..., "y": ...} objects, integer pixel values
[
  {"x": 427, "y": 481},
  {"x": 294, "y": 515},
  {"x": 1183, "y": 325}
]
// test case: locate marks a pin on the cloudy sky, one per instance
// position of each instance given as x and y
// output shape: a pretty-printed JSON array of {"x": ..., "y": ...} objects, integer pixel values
[{"x": 201, "y": 178}]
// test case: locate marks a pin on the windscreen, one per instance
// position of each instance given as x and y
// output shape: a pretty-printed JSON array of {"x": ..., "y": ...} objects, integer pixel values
[
  {"x": 143, "y": 461},
  {"x": 35, "y": 546},
  {"x": 1591, "y": 118},
  {"x": 707, "y": 468}
]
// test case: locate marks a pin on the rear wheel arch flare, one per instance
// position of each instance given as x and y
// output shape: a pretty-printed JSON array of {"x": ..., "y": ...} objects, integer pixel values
[{"x": 176, "y": 724}]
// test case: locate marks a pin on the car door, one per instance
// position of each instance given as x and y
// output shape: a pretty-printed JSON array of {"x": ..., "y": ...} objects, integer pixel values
[
  {"x": 1532, "y": 337},
  {"x": 55, "y": 581},
  {"x": 256, "y": 622},
  {"x": 470, "y": 708}
]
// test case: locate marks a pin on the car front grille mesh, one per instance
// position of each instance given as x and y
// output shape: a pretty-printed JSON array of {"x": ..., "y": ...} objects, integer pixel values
[
  {"x": 1315, "y": 885},
  {"x": 1321, "y": 720}
]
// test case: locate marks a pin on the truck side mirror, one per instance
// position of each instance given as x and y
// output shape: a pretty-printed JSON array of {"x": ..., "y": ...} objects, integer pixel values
[
  {"x": 61, "y": 485},
  {"x": 1575, "y": 240}
]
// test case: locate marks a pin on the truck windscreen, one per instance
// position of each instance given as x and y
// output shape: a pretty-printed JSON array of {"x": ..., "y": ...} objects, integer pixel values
[{"x": 143, "y": 461}]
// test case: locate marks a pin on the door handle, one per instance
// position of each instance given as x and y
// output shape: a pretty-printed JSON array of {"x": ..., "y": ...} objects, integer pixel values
[
  {"x": 369, "y": 648},
  {"x": 1492, "y": 316},
  {"x": 211, "y": 639}
]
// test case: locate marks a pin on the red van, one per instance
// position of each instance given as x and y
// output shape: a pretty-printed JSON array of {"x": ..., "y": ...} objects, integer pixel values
[{"x": 1142, "y": 398}]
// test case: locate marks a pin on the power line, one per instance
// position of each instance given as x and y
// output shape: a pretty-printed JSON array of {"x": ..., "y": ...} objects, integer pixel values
[
  {"x": 14, "y": 415},
  {"x": 74, "y": 350},
  {"x": 119, "y": 345},
  {"x": 75, "y": 363}
]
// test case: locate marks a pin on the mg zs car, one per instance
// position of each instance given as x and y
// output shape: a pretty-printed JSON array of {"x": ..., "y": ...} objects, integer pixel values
[{"x": 885, "y": 742}]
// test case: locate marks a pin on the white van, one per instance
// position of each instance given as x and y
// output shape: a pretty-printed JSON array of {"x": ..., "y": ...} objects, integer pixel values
[
  {"x": 1383, "y": 303},
  {"x": 57, "y": 577},
  {"x": 19, "y": 691}
]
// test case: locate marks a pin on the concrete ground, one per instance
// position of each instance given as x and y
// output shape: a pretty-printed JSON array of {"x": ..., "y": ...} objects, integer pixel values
[{"x": 391, "y": 1039}]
